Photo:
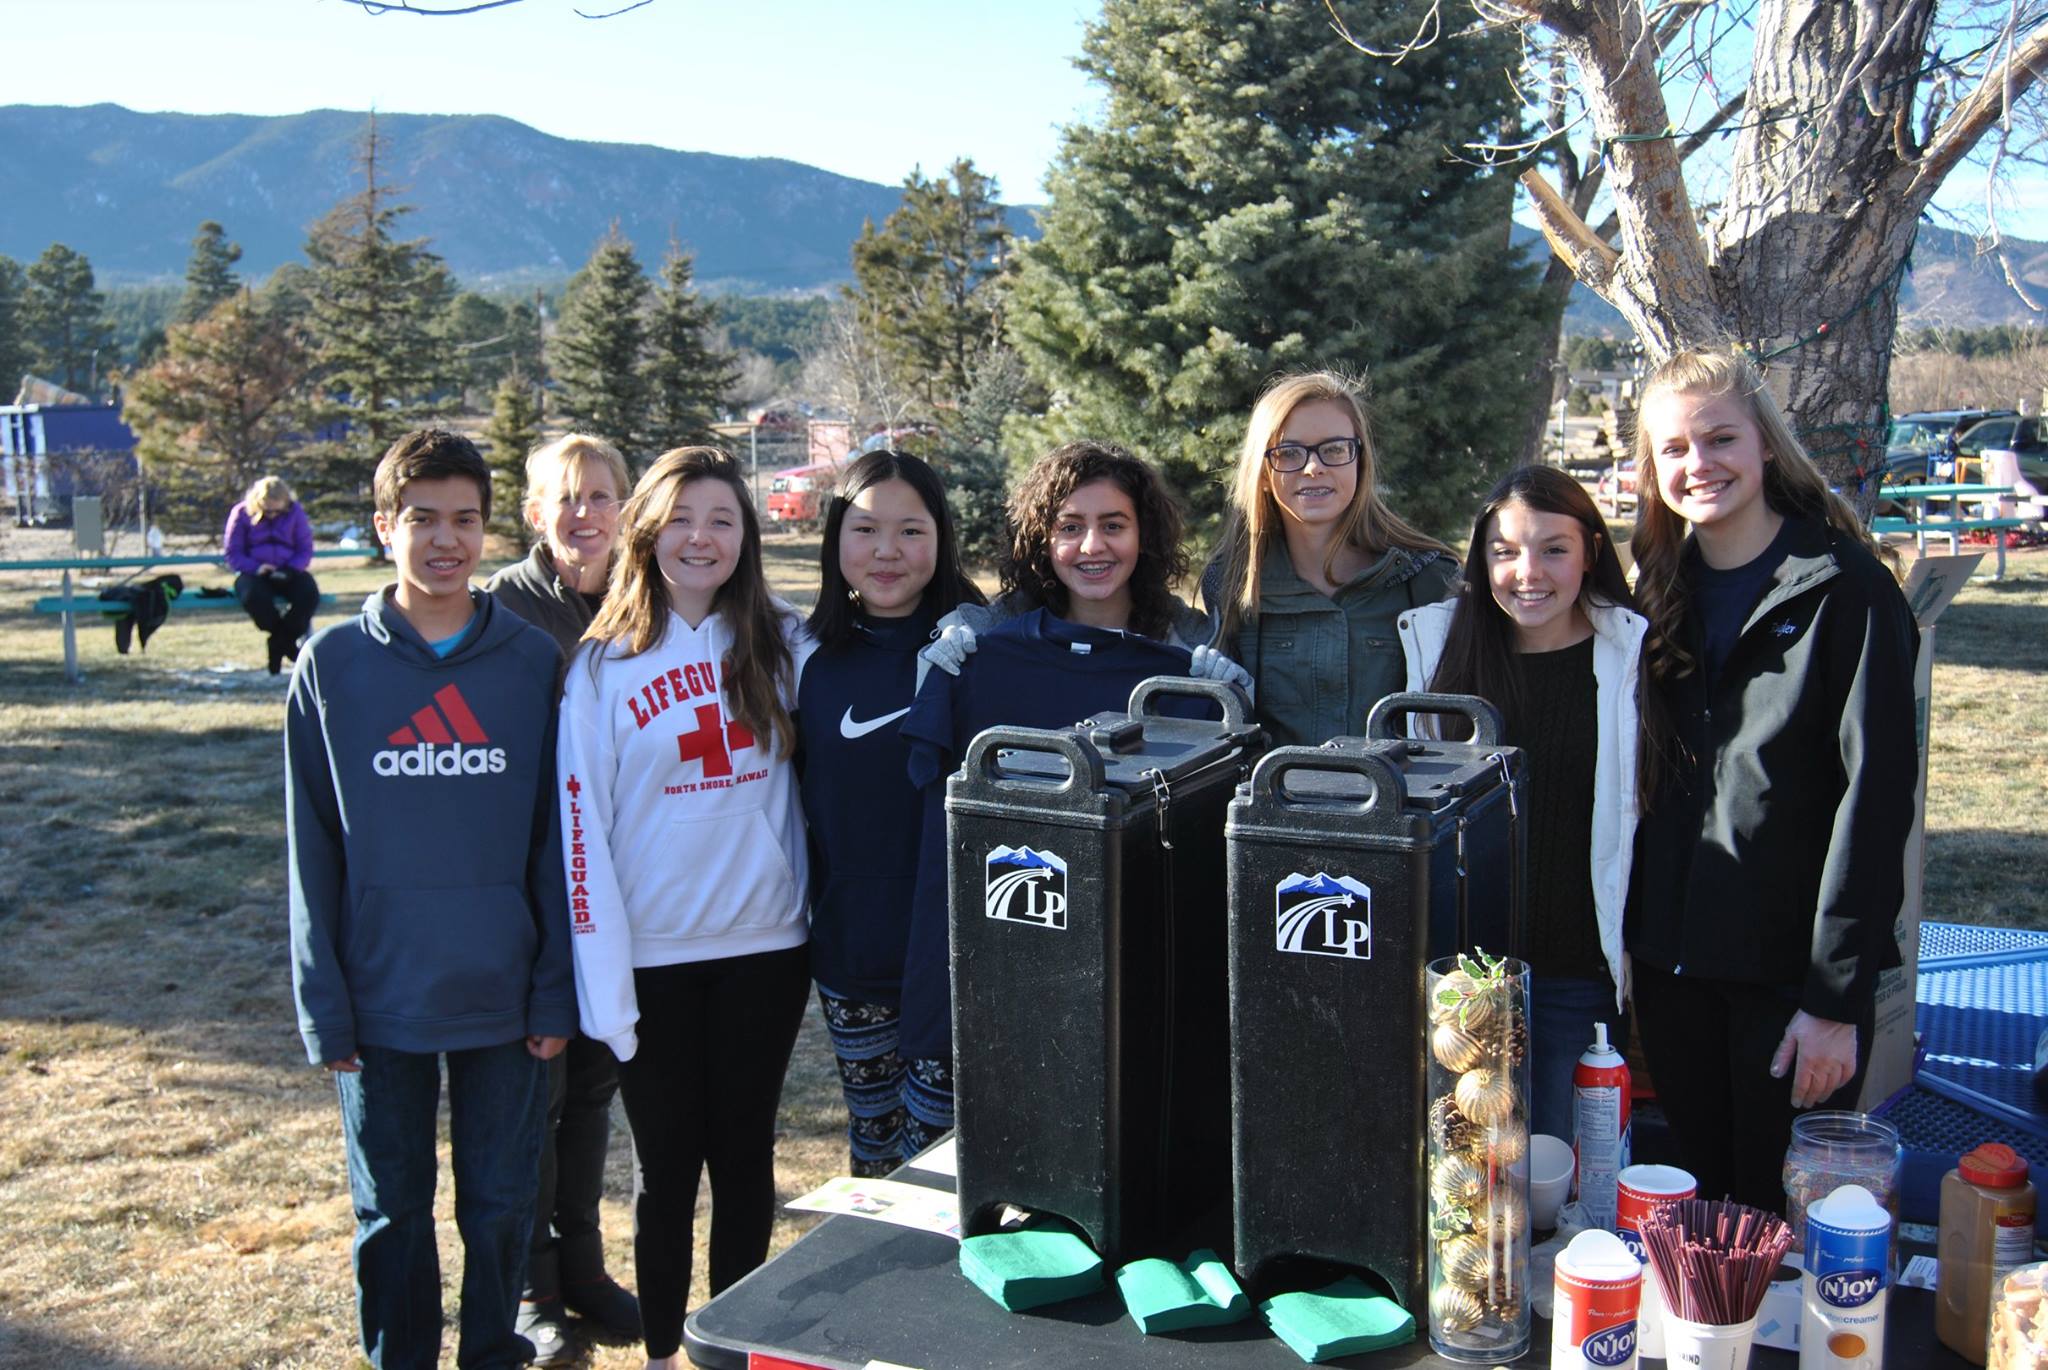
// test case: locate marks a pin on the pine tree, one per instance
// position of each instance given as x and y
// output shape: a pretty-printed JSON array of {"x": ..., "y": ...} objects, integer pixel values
[
  {"x": 523, "y": 346},
  {"x": 209, "y": 273},
  {"x": 514, "y": 430},
  {"x": 1258, "y": 198},
  {"x": 596, "y": 352},
  {"x": 68, "y": 328},
  {"x": 972, "y": 455},
  {"x": 476, "y": 344},
  {"x": 925, "y": 280},
  {"x": 373, "y": 301},
  {"x": 686, "y": 375},
  {"x": 220, "y": 407},
  {"x": 14, "y": 345}
]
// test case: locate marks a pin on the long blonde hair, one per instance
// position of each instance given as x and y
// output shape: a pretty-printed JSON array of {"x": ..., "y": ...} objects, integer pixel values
[
  {"x": 263, "y": 490},
  {"x": 636, "y": 608},
  {"x": 1792, "y": 485},
  {"x": 1255, "y": 516}
]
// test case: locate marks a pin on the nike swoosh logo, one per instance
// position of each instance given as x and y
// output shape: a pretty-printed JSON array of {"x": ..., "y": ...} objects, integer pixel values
[{"x": 849, "y": 729}]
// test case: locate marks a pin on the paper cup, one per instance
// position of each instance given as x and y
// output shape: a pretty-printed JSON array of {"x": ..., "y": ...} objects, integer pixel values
[
  {"x": 1707, "y": 1345},
  {"x": 1550, "y": 1179}
]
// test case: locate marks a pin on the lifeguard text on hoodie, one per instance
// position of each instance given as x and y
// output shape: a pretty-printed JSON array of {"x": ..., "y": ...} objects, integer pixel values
[{"x": 682, "y": 835}]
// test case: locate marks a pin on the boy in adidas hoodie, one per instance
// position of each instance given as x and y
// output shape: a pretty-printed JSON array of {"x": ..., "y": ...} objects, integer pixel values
[{"x": 428, "y": 914}]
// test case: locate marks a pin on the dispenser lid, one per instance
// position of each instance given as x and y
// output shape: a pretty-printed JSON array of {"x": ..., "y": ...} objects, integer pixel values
[{"x": 1994, "y": 1165}]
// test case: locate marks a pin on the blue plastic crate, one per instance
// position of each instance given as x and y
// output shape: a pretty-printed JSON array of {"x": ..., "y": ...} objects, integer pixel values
[{"x": 1978, "y": 1024}]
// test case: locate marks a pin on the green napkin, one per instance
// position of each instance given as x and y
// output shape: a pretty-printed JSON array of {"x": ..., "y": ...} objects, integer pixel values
[
  {"x": 1167, "y": 1297},
  {"x": 1038, "y": 1264},
  {"x": 1341, "y": 1319}
]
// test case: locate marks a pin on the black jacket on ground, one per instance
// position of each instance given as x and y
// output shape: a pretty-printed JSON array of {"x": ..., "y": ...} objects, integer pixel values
[
  {"x": 1772, "y": 854},
  {"x": 534, "y": 590}
]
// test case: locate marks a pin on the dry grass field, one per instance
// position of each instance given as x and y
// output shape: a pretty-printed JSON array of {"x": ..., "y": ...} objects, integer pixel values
[{"x": 171, "y": 1181}]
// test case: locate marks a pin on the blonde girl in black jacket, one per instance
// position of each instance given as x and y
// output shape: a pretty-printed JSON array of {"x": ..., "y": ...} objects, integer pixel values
[{"x": 1779, "y": 770}]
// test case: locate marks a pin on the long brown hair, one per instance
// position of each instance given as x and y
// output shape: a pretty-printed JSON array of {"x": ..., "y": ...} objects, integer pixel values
[
  {"x": 636, "y": 608},
  {"x": 1255, "y": 517},
  {"x": 1480, "y": 656},
  {"x": 1027, "y": 569}
]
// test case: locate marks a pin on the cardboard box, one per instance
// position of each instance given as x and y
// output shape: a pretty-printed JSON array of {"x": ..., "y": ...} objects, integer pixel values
[{"x": 1930, "y": 587}]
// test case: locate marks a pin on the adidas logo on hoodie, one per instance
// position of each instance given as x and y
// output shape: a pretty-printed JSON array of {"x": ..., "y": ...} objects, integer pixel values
[{"x": 444, "y": 738}]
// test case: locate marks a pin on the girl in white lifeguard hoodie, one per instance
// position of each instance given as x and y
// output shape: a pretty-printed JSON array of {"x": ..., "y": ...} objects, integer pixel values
[
  {"x": 686, "y": 864},
  {"x": 1541, "y": 627}
]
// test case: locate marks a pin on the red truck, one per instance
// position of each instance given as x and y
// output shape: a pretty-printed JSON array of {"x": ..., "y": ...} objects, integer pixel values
[{"x": 797, "y": 495}]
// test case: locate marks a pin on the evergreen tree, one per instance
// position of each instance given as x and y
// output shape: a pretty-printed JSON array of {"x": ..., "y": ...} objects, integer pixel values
[
  {"x": 686, "y": 375},
  {"x": 1257, "y": 198},
  {"x": 597, "y": 350},
  {"x": 924, "y": 279},
  {"x": 15, "y": 353},
  {"x": 475, "y": 344},
  {"x": 220, "y": 407},
  {"x": 972, "y": 455},
  {"x": 209, "y": 273},
  {"x": 523, "y": 346},
  {"x": 373, "y": 301},
  {"x": 67, "y": 321},
  {"x": 514, "y": 430}
]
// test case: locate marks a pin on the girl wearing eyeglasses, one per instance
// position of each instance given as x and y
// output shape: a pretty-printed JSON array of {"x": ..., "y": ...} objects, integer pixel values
[{"x": 1313, "y": 569}]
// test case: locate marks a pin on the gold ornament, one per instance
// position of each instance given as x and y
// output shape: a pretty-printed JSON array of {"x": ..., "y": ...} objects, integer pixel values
[
  {"x": 1470, "y": 1003},
  {"x": 1454, "y": 1309},
  {"x": 1486, "y": 1096},
  {"x": 1450, "y": 1129},
  {"x": 1503, "y": 1146},
  {"x": 1455, "y": 1182},
  {"x": 1504, "y": 1218},
  {"x": 1455, "y": 1048},
  {"x": 1466, "y": 1261}
]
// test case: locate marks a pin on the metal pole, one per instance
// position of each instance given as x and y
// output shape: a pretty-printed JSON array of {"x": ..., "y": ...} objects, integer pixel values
[
  {"x": 71, "y": 674},
  {"x": 754, "y": 459}
]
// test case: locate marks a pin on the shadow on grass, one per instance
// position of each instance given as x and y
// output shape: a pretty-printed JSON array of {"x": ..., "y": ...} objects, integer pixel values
[
  {"x": 1987, "y": 877},
  {"x": 1997, "y": 625},
  {"x": 24, "y": 1347}
]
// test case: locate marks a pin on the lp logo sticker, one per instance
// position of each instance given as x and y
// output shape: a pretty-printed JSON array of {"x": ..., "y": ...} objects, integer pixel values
[
  {"x": 1323, "y": 915},
  {"x": 1024, "y": 886}
]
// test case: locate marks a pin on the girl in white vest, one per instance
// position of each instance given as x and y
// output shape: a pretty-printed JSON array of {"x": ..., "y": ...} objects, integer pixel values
[{"x": 1542, "y": 629}]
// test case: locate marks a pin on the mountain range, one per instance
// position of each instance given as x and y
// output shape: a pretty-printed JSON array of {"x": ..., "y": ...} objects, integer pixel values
[{"x": 507, "y": 204}]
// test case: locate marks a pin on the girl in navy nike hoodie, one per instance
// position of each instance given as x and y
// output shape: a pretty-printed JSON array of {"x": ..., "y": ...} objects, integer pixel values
[
  {"x": 686, "y": 864},
  {"x": 890, "y": 566}
]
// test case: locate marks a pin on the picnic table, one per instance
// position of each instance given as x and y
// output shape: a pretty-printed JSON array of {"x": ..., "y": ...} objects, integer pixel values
[
  {"x": 68, "y": 608},
  {"x": 1953, "y": 524}
]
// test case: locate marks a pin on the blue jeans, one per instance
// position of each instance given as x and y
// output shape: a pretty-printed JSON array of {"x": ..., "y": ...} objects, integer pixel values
[
  {"x": 497, "y": 1106},
  {"x": 1562, "y": 1013}
]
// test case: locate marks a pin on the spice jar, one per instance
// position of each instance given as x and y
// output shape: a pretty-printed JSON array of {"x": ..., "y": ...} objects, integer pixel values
[
  {"x": 2018, "y": 1339},
  {"x": 1831, "y": 1148},
  {"x": 1987, "y": 1231}
]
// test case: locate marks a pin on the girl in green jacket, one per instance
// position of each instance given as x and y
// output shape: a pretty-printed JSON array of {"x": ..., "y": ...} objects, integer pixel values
[{"x": 1313, "y": 569}]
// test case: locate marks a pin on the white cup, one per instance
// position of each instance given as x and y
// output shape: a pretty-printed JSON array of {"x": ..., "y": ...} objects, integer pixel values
[
  {"x": 1707, "y": 1345},
  {"x": 1550, "y": 1178}
]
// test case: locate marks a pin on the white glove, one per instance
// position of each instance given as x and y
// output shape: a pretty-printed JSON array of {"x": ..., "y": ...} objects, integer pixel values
[
  {"x": 949, "y": 650},
  {"x": 1210, "y": 664}
]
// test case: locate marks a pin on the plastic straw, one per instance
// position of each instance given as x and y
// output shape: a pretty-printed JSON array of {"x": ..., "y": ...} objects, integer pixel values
[{"x": 1715, "y": 1257}]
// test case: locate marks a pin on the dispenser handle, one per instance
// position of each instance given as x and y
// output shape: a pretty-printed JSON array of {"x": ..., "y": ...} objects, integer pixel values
[
  {"x": 1084, "y": 764},
  {"x": 1236, "y": 705},
  {"x": 1484, "y": 718},
  {"x": 1389, "y": 791}
]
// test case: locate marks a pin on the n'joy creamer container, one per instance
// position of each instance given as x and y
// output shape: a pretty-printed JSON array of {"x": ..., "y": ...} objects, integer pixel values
[
  {"x": 1848, "y": 1246},
  {"x": 1593, "y": 1315}
]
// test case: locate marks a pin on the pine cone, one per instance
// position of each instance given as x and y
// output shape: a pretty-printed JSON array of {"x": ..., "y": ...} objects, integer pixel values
[
  {"x": 1518, "y": 1042},
  {"x": 1450, "y": 1129}
]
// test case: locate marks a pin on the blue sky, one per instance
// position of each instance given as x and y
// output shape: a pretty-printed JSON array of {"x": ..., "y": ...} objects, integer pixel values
[{"x": 867, "y": 88}]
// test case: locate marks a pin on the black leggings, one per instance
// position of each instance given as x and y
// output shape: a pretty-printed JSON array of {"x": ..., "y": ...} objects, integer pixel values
[
  {"x": 259, "y": 596},
  {"x": 1709, "y": 1044},
  {"x": 701, "y": 1091}
]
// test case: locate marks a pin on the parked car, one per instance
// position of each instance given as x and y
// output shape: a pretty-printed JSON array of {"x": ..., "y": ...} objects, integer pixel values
[
  {"x": 1920, "y": 449},
  {"x": 2015, "y": 433}
]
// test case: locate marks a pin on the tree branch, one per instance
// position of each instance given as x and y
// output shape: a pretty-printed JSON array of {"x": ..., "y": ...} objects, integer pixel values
[
  {"x": 2007, "y": 81},
  {"x": 1576, "y": 245},
  {"x": 406, "y": 7}
]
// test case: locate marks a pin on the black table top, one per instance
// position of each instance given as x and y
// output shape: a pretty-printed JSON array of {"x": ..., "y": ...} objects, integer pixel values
[{"x": 854, "y": 1290}]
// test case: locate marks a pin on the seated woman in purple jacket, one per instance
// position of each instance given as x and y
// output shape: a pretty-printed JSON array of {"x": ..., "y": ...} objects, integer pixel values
[{"x": 269, "y": 545}]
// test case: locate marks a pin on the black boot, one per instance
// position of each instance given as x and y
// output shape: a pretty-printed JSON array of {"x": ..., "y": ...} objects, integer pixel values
[{"x": 591, "y": 1293}]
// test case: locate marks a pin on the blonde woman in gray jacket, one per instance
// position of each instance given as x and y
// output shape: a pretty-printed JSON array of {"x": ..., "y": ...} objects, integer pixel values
[{"x": 1542, "y": 628}]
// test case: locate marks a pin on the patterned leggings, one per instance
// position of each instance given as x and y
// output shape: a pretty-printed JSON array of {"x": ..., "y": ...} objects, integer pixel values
[{"x": 895, "y": 1108}]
